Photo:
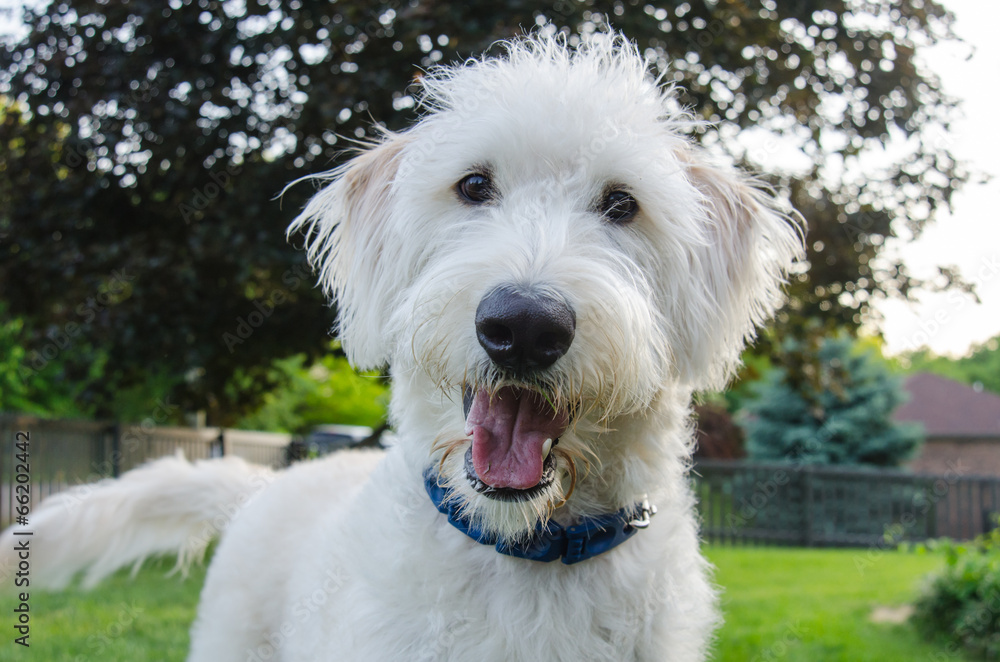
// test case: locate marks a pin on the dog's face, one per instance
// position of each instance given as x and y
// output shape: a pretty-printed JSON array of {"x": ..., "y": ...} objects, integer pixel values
[{"x": 548, "y": 252}]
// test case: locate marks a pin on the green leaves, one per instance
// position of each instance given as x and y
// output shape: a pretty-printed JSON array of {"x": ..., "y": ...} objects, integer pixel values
[
  {"x": 328, "y": 391},
  {"x": 155, "y": 137},
  {"x": 962, "y": 601}
]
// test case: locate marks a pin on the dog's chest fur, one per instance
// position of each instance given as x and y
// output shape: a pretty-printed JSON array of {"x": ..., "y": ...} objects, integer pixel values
[{"x": 422, "y": 590}]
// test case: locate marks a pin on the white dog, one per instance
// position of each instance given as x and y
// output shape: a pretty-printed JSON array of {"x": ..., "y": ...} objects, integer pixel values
[{"x": 550, "y": 269}]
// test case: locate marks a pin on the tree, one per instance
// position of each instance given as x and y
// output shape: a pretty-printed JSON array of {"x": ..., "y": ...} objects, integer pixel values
[
  {"x": 847, "y": 420},
  {"x": 981, "y": 366},
  {"x": 146, "y": 142},
  {"x": 309, "y": 395}
]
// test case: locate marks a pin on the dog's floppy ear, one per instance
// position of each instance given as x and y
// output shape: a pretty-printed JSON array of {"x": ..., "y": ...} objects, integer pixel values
[
  {"x": 736, "y": 274},
  {"x": 346, "y": 228}
]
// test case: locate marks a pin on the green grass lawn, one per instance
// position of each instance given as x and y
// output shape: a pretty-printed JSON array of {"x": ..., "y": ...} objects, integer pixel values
[
  {"x": 145, "y": 619},
  {"x": 780, "y": 604},
  {"x": 799, "y": 605}
]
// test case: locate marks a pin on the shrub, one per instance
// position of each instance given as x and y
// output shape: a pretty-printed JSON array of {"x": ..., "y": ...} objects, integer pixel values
[
  {"x": 719, "y": 438},
  {"x": 51, "y": 379},
  {"x": 962, "y": 602},
  {"x": 327, "y": 391}
]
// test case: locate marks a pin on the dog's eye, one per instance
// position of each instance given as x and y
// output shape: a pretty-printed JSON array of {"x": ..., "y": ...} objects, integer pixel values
[
  {"x": 476, "y": 188},
  {"x": 619, "y": 206}
]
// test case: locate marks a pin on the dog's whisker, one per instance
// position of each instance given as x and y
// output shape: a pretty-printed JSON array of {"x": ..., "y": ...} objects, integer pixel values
[
  {"x": 571, "y": 468},
  {"x": 448, "y": 447}
]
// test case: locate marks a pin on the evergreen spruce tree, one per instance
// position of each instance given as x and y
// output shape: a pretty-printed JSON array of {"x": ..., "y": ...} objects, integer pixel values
[{"x": 844, "y": 416}]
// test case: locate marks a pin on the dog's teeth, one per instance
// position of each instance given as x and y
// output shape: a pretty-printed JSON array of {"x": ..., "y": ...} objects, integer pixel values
[{"x": 546, "y": 447}]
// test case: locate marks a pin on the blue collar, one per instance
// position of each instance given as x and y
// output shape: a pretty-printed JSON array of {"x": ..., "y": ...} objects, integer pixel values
[{"x": 591, "y": 537}]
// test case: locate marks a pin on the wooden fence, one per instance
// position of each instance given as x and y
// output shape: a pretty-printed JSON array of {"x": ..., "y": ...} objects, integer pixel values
[
  {"x": 739, "y": 502},
  {"x": 806, "y": 505},
  {"x": 63, "y": 453}
]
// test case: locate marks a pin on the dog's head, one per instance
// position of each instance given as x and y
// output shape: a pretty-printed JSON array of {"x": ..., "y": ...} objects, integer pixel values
[{"x": 546, "y": 251}]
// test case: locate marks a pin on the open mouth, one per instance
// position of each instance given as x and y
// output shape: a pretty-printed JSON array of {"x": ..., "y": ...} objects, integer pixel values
[
  {"x": 510, "y": 493},
  {"x": 513, "y": 432}
]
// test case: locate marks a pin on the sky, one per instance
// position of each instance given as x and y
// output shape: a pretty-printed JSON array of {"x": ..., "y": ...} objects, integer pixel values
[
  {"x": 9, "y": 12},
  {"x": 969, "y": 236}
]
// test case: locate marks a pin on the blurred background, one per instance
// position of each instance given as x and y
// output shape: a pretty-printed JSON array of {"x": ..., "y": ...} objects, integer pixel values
[{"x": 149, "y": 299}]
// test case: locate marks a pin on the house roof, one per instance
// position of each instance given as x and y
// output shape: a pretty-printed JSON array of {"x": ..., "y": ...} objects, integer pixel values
[{"x": 950, "y": 409}]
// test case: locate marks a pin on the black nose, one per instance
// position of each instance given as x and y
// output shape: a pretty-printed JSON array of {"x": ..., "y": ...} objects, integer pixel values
[{"x": 524, "y": 332}]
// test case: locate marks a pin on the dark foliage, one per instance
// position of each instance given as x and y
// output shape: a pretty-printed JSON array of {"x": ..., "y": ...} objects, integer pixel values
[
  {"x": 147, "y": 141},
  {"x": 718, "y": 436}
]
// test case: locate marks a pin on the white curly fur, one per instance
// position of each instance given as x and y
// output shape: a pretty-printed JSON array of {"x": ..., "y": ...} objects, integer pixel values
[{"x": 346, "y": 558}]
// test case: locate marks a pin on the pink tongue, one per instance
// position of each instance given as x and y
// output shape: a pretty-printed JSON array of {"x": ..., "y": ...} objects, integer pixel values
[{"x": 508, "y": 432}]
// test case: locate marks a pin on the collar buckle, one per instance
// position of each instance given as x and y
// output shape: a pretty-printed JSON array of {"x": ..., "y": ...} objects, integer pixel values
[{"x": 646, "y": 513}]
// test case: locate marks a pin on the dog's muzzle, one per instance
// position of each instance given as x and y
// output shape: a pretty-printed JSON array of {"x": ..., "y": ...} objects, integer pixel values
[{"x": 514, "y": 427}]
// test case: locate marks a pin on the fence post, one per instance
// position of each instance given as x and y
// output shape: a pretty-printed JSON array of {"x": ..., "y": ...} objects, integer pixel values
[
  {"x": 807, "y": 493},
  {"x": 224, "y": 449}
]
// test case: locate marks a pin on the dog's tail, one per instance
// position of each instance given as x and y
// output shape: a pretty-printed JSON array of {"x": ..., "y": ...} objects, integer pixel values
[{"x": 169, "y": 505}]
